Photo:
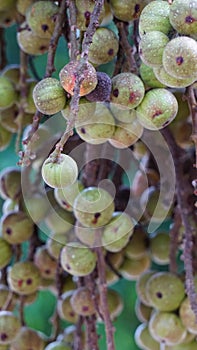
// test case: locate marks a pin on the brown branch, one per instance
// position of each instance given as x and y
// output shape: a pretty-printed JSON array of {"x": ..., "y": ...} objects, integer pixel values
[
  {"x": 74, "y": 47},
  {"x": 192, "y": 102},
  {"x": 174, "y": 240},
  {"x": 21, "y": 309},
  {"x": 185, "y": 212},
  {"x": 3, "y": 58}
]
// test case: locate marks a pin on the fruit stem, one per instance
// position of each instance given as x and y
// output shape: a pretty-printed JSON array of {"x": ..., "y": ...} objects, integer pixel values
[{"x": 74, "y": 46}]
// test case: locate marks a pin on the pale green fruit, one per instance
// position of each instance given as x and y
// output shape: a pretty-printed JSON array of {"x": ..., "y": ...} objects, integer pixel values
[
  {"x": 182, "y": 134},
  {"x": 9, "y": 327},
  {"x": 155, "y": 16},
  {"x": 132, "y": 269},
  {"x": 62, "y": 173},
  {"x": 57, "y": 345},
  {"x": 84, "y": 12},
  {"x": 167, "y": 327},
  {"x": 180, "y": 57},
  {"x": 5, "y": 299},
  {"x": 82, "y": 302},
  {"x": 141, "y": 286},
  {"x": 151, "y": 48},
  {"x": 5, "y": 138},
  {"x": 55, "y": 243},
  {"x": 37, "y": 207},
  {"x": 127, "y": 90},
  {"x": 8, "y": 118},
  {"x": 10, "y": 183},
  {"x": 59, "y": 220},
  {"x": 126, "y": 134},
  {"x": 123, "y": 114},
  {"x": 160, "y": 248},
  {"x": 46, "y": 264},
  {"x": 9, "y": 205},
  {"x": 29, "y": 105},
  {"x": 77, "y": 259},
  {"x": 28, "y": 338},
  {"x": 115, "y": 304},
  {"x": 144, "y": 339},
  {"x": 49, "y": 96},
  {"x": 23, "y": 278},
  {"x": 117, "y": 232},
  {"x": 171, "y": 81},
  {"x": 8, "y": 94},
  {"x": 17, "y": 227},
  {"x": 93, "y": 207},
  {"x": 66, "y": 196},
  {"x": 138, "y": 244},
  {"x": 127, "y": 10},
  {"x": 190, "y": 346},
  {"x": 149, "y": 78},
  {"x": 68, "y": 284},
  {"x": 31, "y": 43},
  {"x": 100, "y": 54},
  {"x": 98, "y": 128},
  {"x": 183, "y": 109},
  {"x": 65, "y": 309},
  {"x": 165, "y": 291},
  {"x": 187, "y": 316},
  {"x": 12, "y": 72},
  {"x": 87, "y": 235},
  {"x": 183, "y": 16},
  {"x": 111, "y": 277},
  {"x": 158, "y": 108},
  {"x": 143, "y": 312},
  {"x": 86, "y": 110},
  {"x": 41, "y": 17},
  {"x": 5, "y": 253}
]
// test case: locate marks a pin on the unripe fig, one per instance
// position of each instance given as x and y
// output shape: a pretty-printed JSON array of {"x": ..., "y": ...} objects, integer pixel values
[
  {"x": 126, "y": 134},
  {"x": 8, "y": 118},
  {"x": 127, "y": 90},
  {"x": 68, "y": 77},
  {"x": 55, "y": 243},
  {"x": 12, "y": 72},
  {"x": 158, "y": 108},
  {"x": 122, "y": 113},
  {"x": 93, "y": 207},
  {"x": 117, "y": 232},
  {"x": 131, "y": 269},
  {"x": 137, "y": 246},
  {"x": 41, "y": 17},
  {"x": 66, "y": 196},
  {"x": 102, "y": 90},
  {"x": 37, "y": 206},
  {"x": 180, "y": 57},
  {"x": 86, "y": 110},
  {"x": 31, "y": 43},
  {"x": 141, "y": 286},
  {"x": 5, "y": 299},
  {"x": 5, "y": 138},
  {"x": 49, "y": 96},
  {"x": 183, "y": 16},
  {"x": 100, "y": 54},
  {"x": 151, "y": 48},
  {"x": 165, "y": 291},
  {"x": 166, "y": 327},
  {"x": 143, "y": 312},
  {"x": 9, "y": 327},
  {"x": 187, "y": 316},
  {"x": 59, "y": 220},
  {"x": 171, "y": 81},
  {"x": 84, "y": 11},
  {"x": 148, "y": 77},
  {"x": 23, "y": 277},
  {"x": 65, "y": 309},
  {"x": 160, "y": 248},
  {"x": 155, "y": 16},
  {"x": 144, "y": 339},
  {"x": 5, "y": 253},
  {"x": 46, "y": 264},
  {"x": 17, "y": 227},
  {"x": 115, "y": 304},
  {"x": 28, "y": 338},
  {"x": 77, "y": 259},
  {"x": 82, "y": 302},
  {"x": 8, "y": 94},
  {"x": 10, "y": 183},
  {"x": 127, "y": 10},
  {"x": 61, "y": 173}
]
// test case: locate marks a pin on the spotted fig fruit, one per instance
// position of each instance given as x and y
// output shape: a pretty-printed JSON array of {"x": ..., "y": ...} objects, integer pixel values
[
  {"x": 102, "y": 90},
  {"x": 9, "y": 327},
  {"x": 17, "y": 227},
  {"x": 151, "y": 47},
  {"x": 31, "y": 43},
  {"x": 8, "y": 94},
  {"x": 127, "y": 10},
  {"x": 183, "y": 16}
]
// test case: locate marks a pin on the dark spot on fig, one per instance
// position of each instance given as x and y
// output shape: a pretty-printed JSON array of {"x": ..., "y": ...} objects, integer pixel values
[
  {"x": 4, "y": 336},
  {"x": 179, "y": 60},
  {"x": 137, "y": 8},
  {"x": 7, "y": 21},
  {"x": 132, "y": 97},
  {"x": 20, "y": 282},
  {"x": 42, "y": 48},
  {"x": 116, "y": 93},
  {"x": 9, "y": 231},
  {"x": 96, "y": 216},
  {"x": 87, "y": 14},
  {"x": 189, "y": 19},
  {"x": 156, "y": 114},
  {"x": 71, "y": 313},
  {"x": 83, "y": 131},
  {"x": 159, "y": 295},
  {"x": 68, "y": 267},
  {"x": 47, "y": 271},
  {"x": 85, "y": 308},
  {"x": 29, "y": 281},
  {"x": 45, "y": 27},
  {"x": 110, "y": 52}
]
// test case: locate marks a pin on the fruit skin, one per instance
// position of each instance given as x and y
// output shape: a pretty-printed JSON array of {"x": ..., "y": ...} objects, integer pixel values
[
  {"x": 66, "y": 196},
  {"x": 23, "y": 277},
  {"x": 22, "y": 5},
  {"x": 158, "y": 108},
  {"x": 68, "y": 77},
  {"x": 187, "y": 316},
  {"x": 77, "y": 259},
  {"x": 169, "y": 80},
  {"x": 165, "y": 291},
  {"x": 17, "y": 227},
  {"x": 82, "y": 302},
  {"x": 160, "y": 248},
  {"x": 49, "y": 96},
  {"x": 144, "y": 339},
  {"x": 5, "y": 138},
  {"x": 8, "y": 94},
  {"x": 183, "y": 16},
  {"x": 10, "y": 183},
  {"x": 151, "y": 48},
  {"x": 9, "y": 327},
  {"x": 27, "y": 338},
  {"x": 60, "y": 174},
  {"x": 84, "y": 10},
  {"x": 5, "y": 253},
  {"x": 46, "y": 264},
  {"x": 101, "y": 54},
  {"x": 127, "y": 90},
  {"x": 31, "y": 43},
  {"x": 155, "y": 16},
  {"x": 126, "y": 134},
  {"x": 180, "y": 57},
  {"x": 149, "y": 78},
  {"x": 93, "y": 207},
  {"x": 41, "y": 17},
  {"x": 102, "y": 90},
  {"x": 127, "y": 10}
]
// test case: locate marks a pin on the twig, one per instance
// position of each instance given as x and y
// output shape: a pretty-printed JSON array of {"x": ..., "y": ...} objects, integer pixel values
[
  {"x": 192, "y": 102},
  {"x": 74, "y": 47},
  {"x": 21, "y": 309},
  {"x": 185, "y": 211},
  {"x": 77, "y": 345},
  {"x": 101, "y": 267},
  {"x": 3, "y": 59},
  {"x": 174, "y": 240}
]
